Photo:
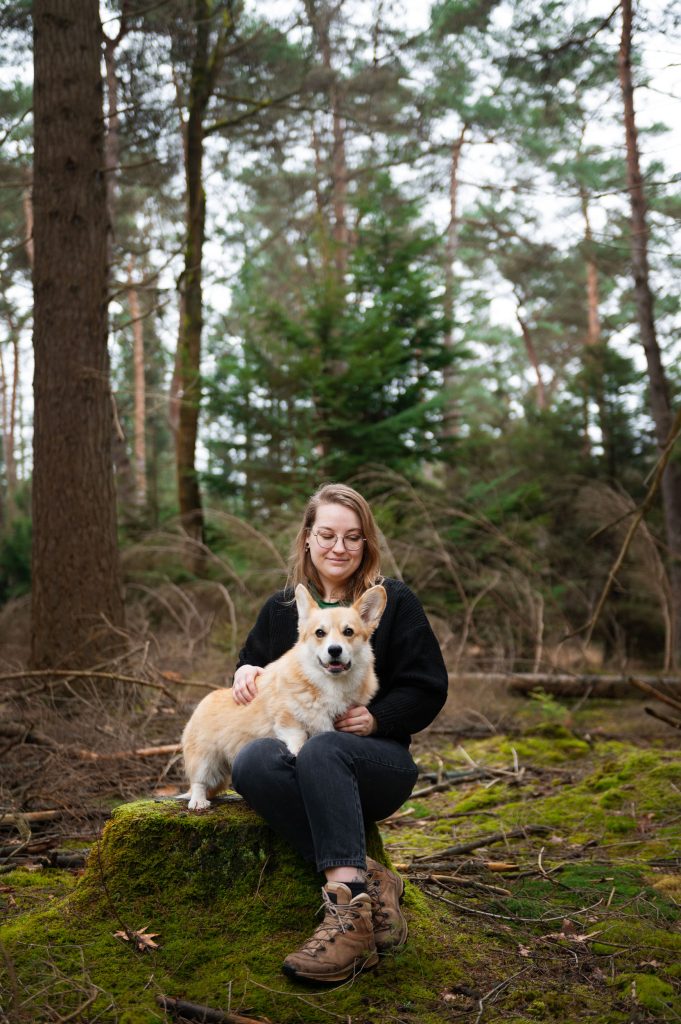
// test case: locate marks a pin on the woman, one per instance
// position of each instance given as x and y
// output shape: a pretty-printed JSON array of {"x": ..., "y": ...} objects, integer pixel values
[{"x": 320, "y": 800}]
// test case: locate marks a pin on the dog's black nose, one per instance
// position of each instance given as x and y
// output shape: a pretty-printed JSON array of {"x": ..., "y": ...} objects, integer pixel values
[{"x": 335, "y": 650}]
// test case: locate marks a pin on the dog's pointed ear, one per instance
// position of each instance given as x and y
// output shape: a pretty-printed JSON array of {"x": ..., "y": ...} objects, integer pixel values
[
  {"x": 305, "y": 601},
  {"x": 370, "y": 606}
]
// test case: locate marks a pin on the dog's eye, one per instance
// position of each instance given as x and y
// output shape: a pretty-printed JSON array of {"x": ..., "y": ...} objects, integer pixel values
[
  {"x": 348, "y": 631},
  {"x": 320, "y": 633}
]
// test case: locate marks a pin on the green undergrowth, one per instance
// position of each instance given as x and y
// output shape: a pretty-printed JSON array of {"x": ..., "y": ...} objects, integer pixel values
[
  {"x": 581, "y": 924},
  {"x": 596, "y": 894}
]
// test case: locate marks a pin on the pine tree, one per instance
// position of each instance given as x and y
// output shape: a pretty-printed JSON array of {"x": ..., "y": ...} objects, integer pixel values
[{"x": 76, "y": 596}]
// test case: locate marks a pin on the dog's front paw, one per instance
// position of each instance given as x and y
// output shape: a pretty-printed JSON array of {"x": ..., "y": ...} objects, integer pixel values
[
  {"x": 198, "y": 798},
  {"x": 198, "y": 803}
]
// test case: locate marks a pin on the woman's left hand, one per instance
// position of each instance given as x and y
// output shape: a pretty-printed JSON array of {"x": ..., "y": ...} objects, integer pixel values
[{"x": 356, "y": 719}]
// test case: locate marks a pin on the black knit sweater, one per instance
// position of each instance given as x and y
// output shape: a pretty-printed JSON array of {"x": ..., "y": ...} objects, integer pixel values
[{"x": 411, "y": 672}]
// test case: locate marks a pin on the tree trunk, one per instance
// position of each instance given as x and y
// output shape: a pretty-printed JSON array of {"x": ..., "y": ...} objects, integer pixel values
[
  {"x": 594, "y": 346},
  {"x": 660, "y": 402},
  {"x": 534, "y": 361},
  {"x": 76, "y": 593},
  {"x": 140, "y": 391},
  {"x": 125, "y": 480},
  {"x": 27, "y": 203},
  {"x": 451, "y": 412},
  {"x": 10, "y": 393},
  {"x": 320, "y": 17},
  {"x": 188, "y": 361}
]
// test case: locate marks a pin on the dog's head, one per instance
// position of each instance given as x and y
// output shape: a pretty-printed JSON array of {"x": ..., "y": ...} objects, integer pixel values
[{"x": 339, "y": 636}]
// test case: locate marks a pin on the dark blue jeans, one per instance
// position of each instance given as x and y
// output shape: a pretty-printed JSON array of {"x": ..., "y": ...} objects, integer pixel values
[{"x": 320, "y": 800}]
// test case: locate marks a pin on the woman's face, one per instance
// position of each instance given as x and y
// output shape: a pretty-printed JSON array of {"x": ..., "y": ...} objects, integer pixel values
[{"x": 335, "y": 564}]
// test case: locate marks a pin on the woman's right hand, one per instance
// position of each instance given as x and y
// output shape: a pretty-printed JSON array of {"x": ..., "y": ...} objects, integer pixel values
[{"x": 244, "y": 687}]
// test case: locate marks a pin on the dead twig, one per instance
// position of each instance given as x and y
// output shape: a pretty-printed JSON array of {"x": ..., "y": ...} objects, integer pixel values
[
  {"x": 674, "y": 722},
  {"x": 493, "y": 992},
  {"x": 494, "y": 837},
  {"x": 637, "y": 518},
  {"x": 652, "y": 692},
  {"x": 509, "y": 917},
  {"x": 194, "y": 1011},
  {"x": 447, "y": 881},
  {"x": 67, "y": 674}
]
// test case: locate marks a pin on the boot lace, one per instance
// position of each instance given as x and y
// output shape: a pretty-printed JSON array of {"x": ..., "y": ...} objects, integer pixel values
[
  {"x": 378, "y": 912},
  {"x": 336, "y": 920}
]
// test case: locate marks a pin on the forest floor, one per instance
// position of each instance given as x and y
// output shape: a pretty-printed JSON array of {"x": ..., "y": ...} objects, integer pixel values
[{"x": 542, "y": 844}]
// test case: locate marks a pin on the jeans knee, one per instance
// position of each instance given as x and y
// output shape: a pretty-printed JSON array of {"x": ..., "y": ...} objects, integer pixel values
[
  {"x": 255, "y": 760},
  {"x": 315, "y": 753}
]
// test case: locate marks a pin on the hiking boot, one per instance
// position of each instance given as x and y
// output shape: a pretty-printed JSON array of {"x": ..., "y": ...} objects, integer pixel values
[
  {"x": 385, "y": 889},
  {"x": 342, "y": 945}
]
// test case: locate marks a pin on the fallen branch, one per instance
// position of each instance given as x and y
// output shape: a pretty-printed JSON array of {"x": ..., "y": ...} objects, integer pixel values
[
  {"x": 509, "y": 917},
  {"x": 674, "y": 722},
  {"x": 644, "y": 687},
  {"x": 194, "y": 1011},
  {"x": 122, "y": 755},
  {"x": 14, "y": 819},
  {"x": 565, "y": 685},
  {"x": 475, "y": 844},
  {"x": 67, "y": 674},
  {"x": 448, "y": 881},
  {"x": 455, "y": 779}
]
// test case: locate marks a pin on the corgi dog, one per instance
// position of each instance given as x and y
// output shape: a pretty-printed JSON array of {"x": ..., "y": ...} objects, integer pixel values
[{"x": 329, "y": 669}]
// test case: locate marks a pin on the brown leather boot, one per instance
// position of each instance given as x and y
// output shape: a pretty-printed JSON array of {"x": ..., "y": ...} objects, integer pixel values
[
  {"x": 385, "y": 889},
  {"x": 342, "y": 945}
]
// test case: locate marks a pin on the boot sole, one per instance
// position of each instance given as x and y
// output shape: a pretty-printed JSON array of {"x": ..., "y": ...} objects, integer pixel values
[{"x": 360, "y": 964}]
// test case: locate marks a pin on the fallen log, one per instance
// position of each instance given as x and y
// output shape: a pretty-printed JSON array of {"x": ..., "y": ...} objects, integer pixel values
[{"x": 565, "y": 685}]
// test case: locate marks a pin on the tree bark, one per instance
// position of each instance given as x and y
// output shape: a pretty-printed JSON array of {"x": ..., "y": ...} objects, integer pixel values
[
  {"x": 534, "y": 360},
  {"x": 451, "y": 413},
  {"x": 76, "y": 593},
  {"x": 10, "y": 393},
  {"x": 125, "y": 479},
  {"x": 205, "y": 66},
  {"x": 140, "y": 391},
  {"x": 593, "y": 344},
  {"x": 660, "y": 402},
  {"x": 320, "y": 16}
]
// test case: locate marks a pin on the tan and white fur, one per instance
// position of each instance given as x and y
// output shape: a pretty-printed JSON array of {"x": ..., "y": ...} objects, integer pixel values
[{"x": 328, "y": 670}]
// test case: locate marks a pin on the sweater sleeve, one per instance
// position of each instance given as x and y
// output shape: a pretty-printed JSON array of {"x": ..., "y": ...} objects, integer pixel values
[
  {"x": 411, "y": 670},
  {"x": 273, "y": 634}
]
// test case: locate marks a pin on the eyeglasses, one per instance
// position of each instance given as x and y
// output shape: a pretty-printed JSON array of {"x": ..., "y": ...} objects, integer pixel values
[{"x": 327, "y": 539}]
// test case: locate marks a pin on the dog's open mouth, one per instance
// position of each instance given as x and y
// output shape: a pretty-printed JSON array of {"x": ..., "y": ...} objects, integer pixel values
[{"x": 335, "y": 667}]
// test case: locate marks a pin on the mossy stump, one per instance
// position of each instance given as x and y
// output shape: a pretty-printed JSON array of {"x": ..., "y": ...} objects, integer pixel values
[{"x": 226, "y": 901}]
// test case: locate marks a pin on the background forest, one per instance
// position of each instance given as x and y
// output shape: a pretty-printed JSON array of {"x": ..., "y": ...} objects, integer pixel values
[{"x": 430, "y": 252}]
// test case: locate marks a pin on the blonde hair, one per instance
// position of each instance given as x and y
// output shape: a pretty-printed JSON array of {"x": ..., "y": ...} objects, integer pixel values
[{"x": 368, "y": 573}]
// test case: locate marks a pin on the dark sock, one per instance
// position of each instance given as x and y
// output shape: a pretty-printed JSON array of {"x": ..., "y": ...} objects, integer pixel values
[{"x": 356, "y": 888}]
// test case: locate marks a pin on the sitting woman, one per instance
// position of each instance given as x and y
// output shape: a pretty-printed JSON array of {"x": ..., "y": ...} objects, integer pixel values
[{"x": 321, "y": 800}]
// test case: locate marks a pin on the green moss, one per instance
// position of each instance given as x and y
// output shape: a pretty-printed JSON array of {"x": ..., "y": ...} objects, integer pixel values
[
  {"x": 649, "y": 991},
  {"x": 418, "y": 809},
  {"x": 228, "y": 901},
  {"x": 22, "y": 890}
]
